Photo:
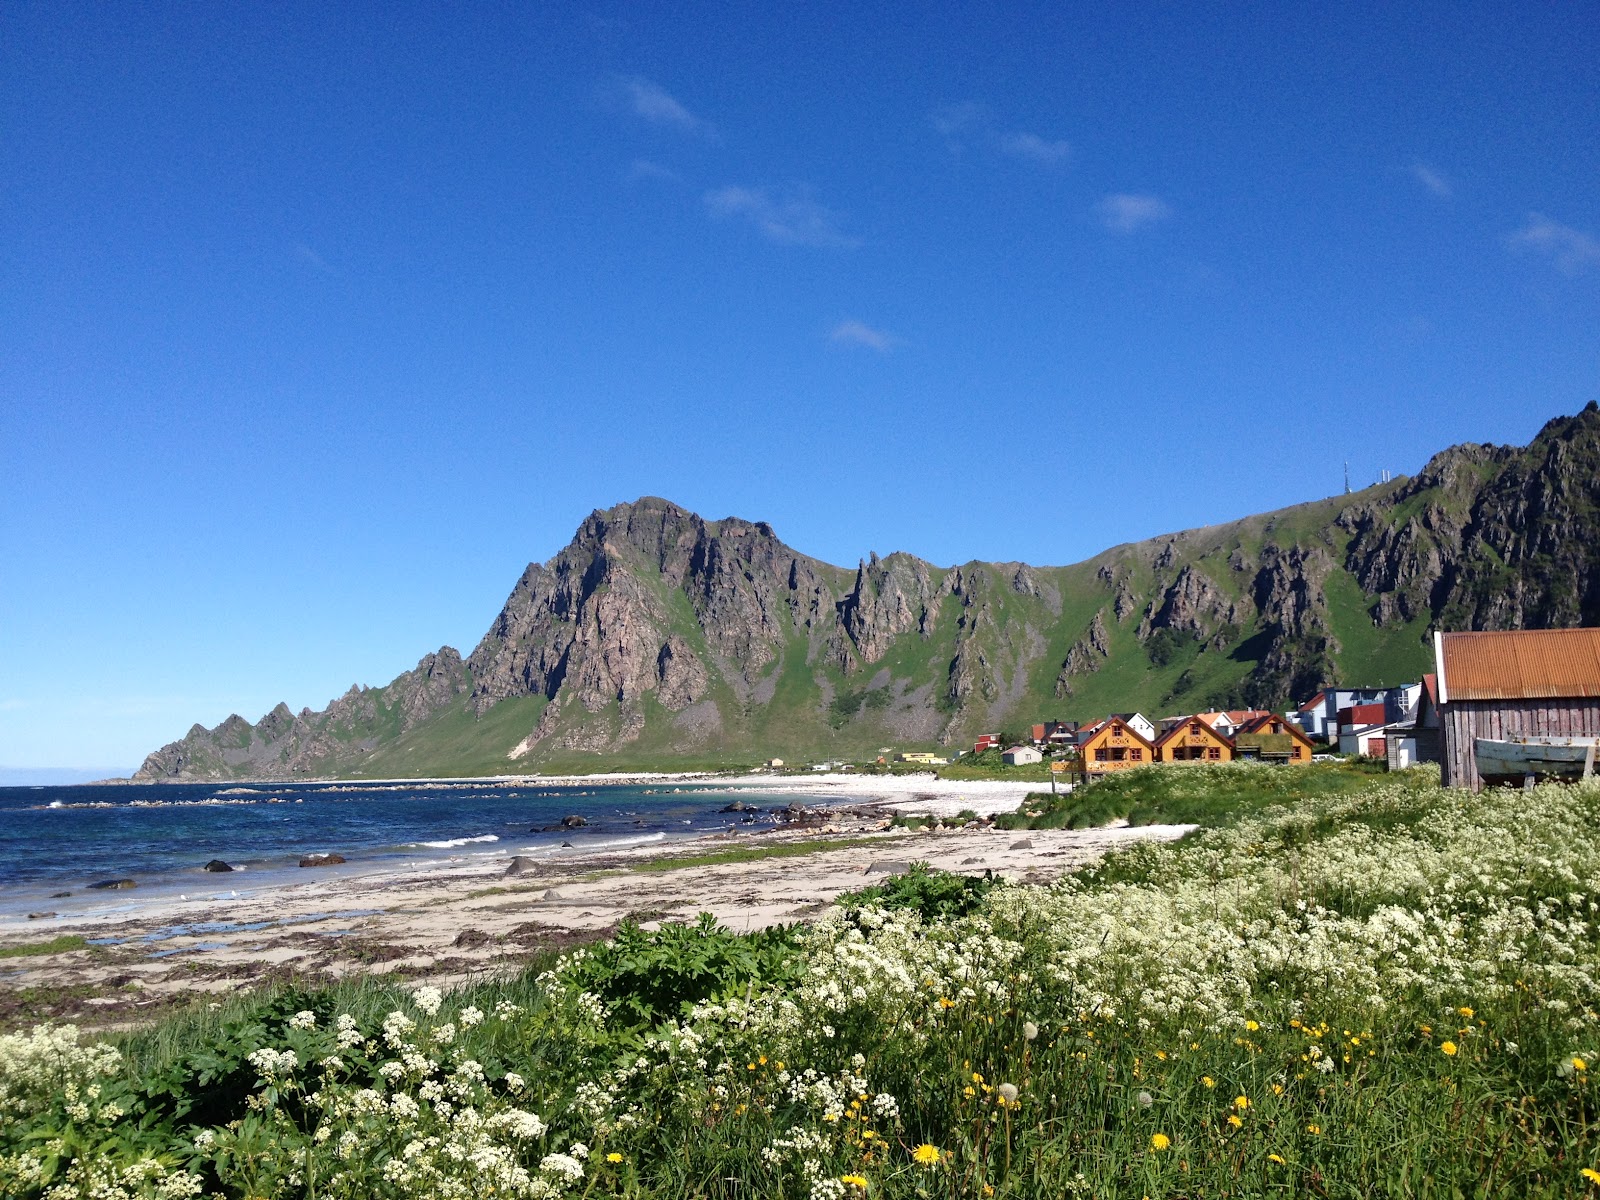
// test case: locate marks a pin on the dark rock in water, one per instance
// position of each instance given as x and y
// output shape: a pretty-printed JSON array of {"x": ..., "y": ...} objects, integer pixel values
[
  {"x": 967, "y": 862},
  {"x": 573, "y": 822},
  {"x": 322, "y": 860},
  {"x": 112, "y": 885},
  {"x": 59, "y": 895},
  {"x": 888, "y": 866},
  {"x": 471, "y": 939},
  {"x": 1024, "y": 844},
  {"x": 738, "y": 806},
  {"x": 521, "y": 865},
  {"x": 216, "y": 866},
  {"x": 40, "y": 916},
  {"x": 566, "y": 845}
]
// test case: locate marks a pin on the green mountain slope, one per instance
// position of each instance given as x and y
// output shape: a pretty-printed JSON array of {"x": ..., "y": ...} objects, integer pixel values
[{"x": 659, "y": 639}]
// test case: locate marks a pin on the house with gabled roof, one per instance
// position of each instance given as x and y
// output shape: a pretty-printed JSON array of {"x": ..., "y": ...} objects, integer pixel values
[
  {"x": 1272, "y": 738},
  {"x": 1114, "y": 745},
  {"x": 1192, "y": 740}
]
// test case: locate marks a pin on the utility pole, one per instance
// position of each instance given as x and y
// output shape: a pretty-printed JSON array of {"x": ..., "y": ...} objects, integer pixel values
[{"x": 1347, "y": 477}]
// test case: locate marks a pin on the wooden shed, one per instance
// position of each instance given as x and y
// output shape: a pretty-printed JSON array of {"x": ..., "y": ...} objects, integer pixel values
[{"x": 1525, "y": 682}]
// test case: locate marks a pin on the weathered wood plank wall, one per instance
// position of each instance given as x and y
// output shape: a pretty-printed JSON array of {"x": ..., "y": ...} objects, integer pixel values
[{"x": 1464, "y": 721}]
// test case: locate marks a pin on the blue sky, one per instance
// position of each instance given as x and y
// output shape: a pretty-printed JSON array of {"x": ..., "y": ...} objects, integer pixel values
[{"x": 319, "y": 322}]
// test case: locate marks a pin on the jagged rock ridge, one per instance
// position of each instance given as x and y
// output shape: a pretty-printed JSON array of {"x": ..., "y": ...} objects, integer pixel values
[{"x": 659, "y": 635}]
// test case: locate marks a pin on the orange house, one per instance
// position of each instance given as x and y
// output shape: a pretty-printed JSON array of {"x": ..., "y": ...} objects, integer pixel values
[
  {"x": 1193, "y": 740},
  {"x": 1272, "y": 739},
  {"x": 1114, "y": 747}
]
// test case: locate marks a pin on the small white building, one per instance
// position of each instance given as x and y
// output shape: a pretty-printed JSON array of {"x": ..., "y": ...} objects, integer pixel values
[
  {"x": 1019, "y": 756},
  {"x": 1139, "y": 723}
]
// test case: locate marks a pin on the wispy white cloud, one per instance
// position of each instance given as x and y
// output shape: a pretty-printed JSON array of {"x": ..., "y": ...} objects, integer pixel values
[
  {"x": 953, "y": 119},
  {"x": 859, "y": 333},
  {"x": 652, "y": 102},
  {"x": 1124, "y": 212},
  {"x": 643, "y": 168},
  {"x": 1038, "y": 149},
  {"x": 970, "y": 122},
  {"x": 13, "y": 705},
  {"x": 1432, "y": 180},
  {"x": 792, "y": 216},
  {"x": 1570, "y": 249},
  {"x": 311, "y": 258}
]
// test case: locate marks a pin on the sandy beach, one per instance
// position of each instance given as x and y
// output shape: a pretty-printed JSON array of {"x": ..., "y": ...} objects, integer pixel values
[{"x": 486, "y": 913}]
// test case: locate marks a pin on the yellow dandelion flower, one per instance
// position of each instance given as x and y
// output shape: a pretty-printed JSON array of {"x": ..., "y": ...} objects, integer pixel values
[
  {"x": 1208, "y": 1081},
  {"x": 1241, "y": 1101},
  {"x": 1466, "y": 1012},
  {"x": 1159, "y": 1141},
  {"x": 927, "y": 1154},
  {"x": 1277, "y": 1158},
  {"x": 1590, "y": 1174},
  {"x": 613, "y": 1157},
  {"x": 778, "y": 1065},
  {"x": 1251, "y": 1026},
  {"x": 1233, "y": 1119},
  {"x": 1578, "y": 1064},
  {"x": 1313, "y": 1129},
  {"x": 1448, "y": 1049},
  {"x": 856, "y": 1181}
]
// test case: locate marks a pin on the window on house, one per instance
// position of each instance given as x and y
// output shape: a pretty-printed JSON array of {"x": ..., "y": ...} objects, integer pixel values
[
  {"x": 1100, "y": 755},
  {"x": 1118, "y": 754},
  {"x": 1136, "y": 754},
  {"x": 1214, "y": 753}
]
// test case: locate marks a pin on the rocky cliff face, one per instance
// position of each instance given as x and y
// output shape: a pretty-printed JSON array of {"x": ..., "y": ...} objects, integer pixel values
[{"x": 658, "y": 633}]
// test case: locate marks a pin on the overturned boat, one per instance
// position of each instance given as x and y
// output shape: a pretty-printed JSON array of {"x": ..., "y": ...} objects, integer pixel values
[{"x": 1523, "y": 760}]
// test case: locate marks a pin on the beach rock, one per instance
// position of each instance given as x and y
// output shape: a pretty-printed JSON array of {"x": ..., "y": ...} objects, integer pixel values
[
  {"x": 112, "y": 885},
  {"x": 40, "y": 916},
  {"x": 216, "y": 866},
  {"x": 1024, "y": 844},
  {"x": 888, "y": 866},
  {"x": 521, "y": 865},
  {"x": 59, "y": 895},
  {"x": 322, "y": 860},
  {"x": 566, "y": 845},
  {"x": 552, "y": 894},
  {"x": 471, "y": 939},
  {"x": 573, "y": 822},
  {"x": 967, "y": 862}
]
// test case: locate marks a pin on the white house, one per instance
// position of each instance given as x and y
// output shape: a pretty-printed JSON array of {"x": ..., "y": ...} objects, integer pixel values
[
  {"x": 1139, "y": 723},
  {"x": 1019, "y": 756}
]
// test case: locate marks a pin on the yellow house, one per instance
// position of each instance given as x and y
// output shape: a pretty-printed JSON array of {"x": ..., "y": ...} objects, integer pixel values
[
  {"x": 1193, "y": 740},
  {"x": 1114, "y": 746},
  {"x": 919, "y": 756}
]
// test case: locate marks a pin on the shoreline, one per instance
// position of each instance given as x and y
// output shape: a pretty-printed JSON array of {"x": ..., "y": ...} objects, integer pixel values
[{"x": 448, "y": 922}]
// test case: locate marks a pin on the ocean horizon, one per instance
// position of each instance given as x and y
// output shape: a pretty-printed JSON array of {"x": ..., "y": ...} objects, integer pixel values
[{"x": 56, "y": 842}]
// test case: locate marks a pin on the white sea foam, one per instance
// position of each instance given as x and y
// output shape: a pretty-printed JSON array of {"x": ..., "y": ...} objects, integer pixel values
[{"x": 452, "y": 843}]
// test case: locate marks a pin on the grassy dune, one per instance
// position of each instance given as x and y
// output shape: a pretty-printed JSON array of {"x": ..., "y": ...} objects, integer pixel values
[{"x": 1378, "y": 988}]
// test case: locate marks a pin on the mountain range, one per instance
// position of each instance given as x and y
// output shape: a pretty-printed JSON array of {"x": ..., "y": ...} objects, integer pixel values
[{"x": 657, "y": 638}]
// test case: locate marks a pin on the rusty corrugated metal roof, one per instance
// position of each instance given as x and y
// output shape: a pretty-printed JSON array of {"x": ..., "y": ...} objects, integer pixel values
[{"x": 1521, "y": 664}]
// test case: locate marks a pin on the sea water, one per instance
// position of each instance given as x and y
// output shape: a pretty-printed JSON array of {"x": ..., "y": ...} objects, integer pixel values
[{"x": 63, "y": 839}]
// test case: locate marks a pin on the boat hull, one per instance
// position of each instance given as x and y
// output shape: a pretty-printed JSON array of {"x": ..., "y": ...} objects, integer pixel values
[{"x": 1518, "y": 759}]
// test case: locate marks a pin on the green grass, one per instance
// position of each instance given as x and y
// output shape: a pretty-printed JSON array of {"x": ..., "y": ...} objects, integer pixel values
[
  {"x": 1197, "y": 794},
  {"x": 57, "y": 945}
]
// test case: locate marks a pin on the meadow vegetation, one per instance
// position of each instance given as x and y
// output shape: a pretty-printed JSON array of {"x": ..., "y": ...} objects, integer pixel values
[{"x": 1383, "y": 988}]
